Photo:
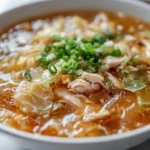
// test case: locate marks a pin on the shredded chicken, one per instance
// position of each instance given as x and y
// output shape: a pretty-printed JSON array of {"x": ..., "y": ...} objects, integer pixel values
[
  {"x": 95, "y": 116},
  {"x": 86, "y": 84},
  {"x": 94, "y": 79},
  {"x": 68, "y": 97},
  {"x": 80, "y": 86},
  {"x": 117, "y": 83},
  {"x": 114, "y": 61},
  {"x": 131, "y": 69}
]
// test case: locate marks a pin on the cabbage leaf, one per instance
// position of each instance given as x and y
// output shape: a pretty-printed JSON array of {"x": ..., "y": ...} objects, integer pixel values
[
  {"x": 143, "y": 96},
  {"x": 135, "y": 81}
]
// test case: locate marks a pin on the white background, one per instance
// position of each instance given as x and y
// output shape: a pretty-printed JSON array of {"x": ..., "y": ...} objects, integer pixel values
[{"x": 7, "y": 144}]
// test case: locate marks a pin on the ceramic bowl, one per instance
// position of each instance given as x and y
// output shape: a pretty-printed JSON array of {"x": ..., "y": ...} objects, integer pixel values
[{"x": 113, "y": 142}]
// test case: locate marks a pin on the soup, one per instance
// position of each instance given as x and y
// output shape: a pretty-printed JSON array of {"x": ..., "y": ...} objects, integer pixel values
[{"x": 76, "y": 74}]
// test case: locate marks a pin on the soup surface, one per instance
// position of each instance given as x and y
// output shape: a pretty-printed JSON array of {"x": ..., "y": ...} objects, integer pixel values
[{"x": 76, "y": 74}]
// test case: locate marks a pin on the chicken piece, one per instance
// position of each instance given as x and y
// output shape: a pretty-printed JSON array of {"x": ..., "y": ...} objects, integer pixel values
[
  {"x": 117, "y": 83},
  {"x": 86, "y": 84},
  {"x": 77, "y": 101},
  {"x": 95, "y": 116},
  {"x": 132, "y": 69},
  {"x": 94, "y": 79},
  {"x": 113, "y": 62},
  {"x": 80, "y": 86},
  {"x": 33, "y": 98},
  {"x": 123, "y": 46},
  {"x": 129, "y": 69},
  {"x": 68, "y": 97}
]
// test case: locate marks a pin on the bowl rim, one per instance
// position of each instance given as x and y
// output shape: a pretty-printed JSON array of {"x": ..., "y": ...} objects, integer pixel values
[
  {"x": 63, "y": 140},
  {"x": 67, "y": 140}
]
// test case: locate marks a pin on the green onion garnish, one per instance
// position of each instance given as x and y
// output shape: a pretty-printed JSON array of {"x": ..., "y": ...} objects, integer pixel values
[
  {"x": 44, "y": 62},
  {"x": 75, "y": 54},
  {"x": 52, "y": 68},
  {"x": 116, "y": 52},
  {"x": 99, "y": 39},
  {"x": 47, "y": 48},
  {"x": 37, "y": 57},
  {"x": 27, "y": 75}
]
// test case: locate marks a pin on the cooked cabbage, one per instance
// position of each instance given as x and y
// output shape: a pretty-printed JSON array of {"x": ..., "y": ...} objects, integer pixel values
[{"x": 33, "y": 98}]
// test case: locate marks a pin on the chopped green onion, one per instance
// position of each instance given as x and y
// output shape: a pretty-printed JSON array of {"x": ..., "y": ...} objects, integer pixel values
[
  {"x": 72, "y": 43},
  {"x": 99, "y": 62},
  {"x": 37, "y": 57},
  {"x": 44, "y": 54},
  {"x": 96, "y": 45},
  {"x": 128, "y": 63},
  {"x": 65, "y": 57},
  {"x": 59, "y": 44},
  {"x": 27, "y": 75},
  {"x": 73, "y": 56},
  {"x": 59, "y": 52},
  {"x": 55, "y": 38},
  {"x": 71, "y": 71},
  {"x": 44, "y": 62},
  {"x": 84, "y": 40},
  {"x": 47, "y": 48},
  {"x": 109, "y": 34},
  {"x": 67, "y": 47},
  {"x": 116, "y": 52},
  {"x": 51, "y": 57},
  {"x": 88, "y": 46},
  {"x": 91, "y": 69},
  {"x": 52, "y": 68},
  {"x": 77, "y": 53},
  {"x": 99, "y": 39},
  {"x": 90, "y": 60}
]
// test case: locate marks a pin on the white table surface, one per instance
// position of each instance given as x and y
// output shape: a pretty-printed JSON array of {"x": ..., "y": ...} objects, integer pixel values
[{"x": 7, "y": 144}]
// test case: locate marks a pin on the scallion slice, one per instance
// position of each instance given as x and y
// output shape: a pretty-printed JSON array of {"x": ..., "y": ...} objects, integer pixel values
[
  {"x": 52, "y": 68},
  {"x": 47, "y": 48},
  {"x": 37, "y": 57},
  {"x": 27, "y": 75}
]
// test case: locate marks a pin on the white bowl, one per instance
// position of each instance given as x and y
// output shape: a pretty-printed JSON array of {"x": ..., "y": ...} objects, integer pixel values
[{"x": 113, "y": 142}]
